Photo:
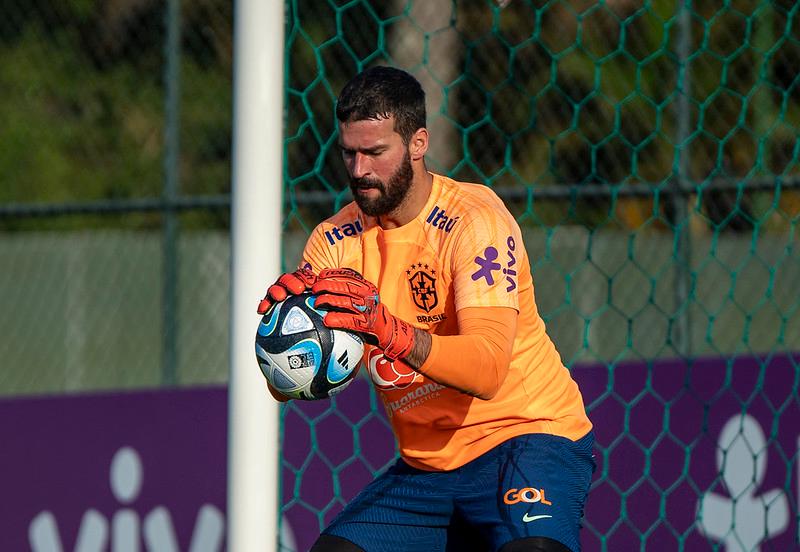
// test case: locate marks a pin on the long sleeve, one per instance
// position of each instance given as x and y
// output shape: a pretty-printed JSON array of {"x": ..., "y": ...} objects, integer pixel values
[{"x": 476, "y": 361}]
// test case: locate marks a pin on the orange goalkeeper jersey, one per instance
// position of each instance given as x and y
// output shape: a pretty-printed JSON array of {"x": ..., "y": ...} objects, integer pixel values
[{"x": 464, "y": 249}]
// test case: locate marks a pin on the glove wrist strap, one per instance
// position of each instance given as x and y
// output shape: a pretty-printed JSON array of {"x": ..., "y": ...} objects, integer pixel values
[{"x": 401, "y": 342}]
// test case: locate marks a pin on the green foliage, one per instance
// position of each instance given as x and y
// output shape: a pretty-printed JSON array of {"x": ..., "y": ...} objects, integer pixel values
[
  {"x": 69, "y": 137},
  {"x": 83, "y": 105},
  {"x": 540, "y": 94},
  {"x": 566, "y": 93}
]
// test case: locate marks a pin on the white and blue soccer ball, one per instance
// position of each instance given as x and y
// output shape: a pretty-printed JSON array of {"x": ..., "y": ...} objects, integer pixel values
[{"x": 301, "y": 357}]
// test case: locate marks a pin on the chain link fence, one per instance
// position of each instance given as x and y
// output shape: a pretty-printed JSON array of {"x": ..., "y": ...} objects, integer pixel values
[
  {"x": 613, "y": 131},
  {"x": 114, "y": 207},
  {"x": 649, "y": 151}
]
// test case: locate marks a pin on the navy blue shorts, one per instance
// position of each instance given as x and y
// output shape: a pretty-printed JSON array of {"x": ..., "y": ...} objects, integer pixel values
[{"x": 532, "y": 485}]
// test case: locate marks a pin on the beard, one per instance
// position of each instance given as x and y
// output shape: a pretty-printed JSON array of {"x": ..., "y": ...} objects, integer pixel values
[{"x": 392, "y": 193}]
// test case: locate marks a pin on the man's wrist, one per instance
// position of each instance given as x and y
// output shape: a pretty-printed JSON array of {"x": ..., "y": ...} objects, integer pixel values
[{"x": 421, "y": 349}]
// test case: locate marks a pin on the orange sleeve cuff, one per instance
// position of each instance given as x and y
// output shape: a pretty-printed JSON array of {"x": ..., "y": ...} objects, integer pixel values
[{"x": 475, "y": 361}]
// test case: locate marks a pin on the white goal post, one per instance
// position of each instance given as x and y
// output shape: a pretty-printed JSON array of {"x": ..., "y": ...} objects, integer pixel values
[{"x": 253, "y": 416}]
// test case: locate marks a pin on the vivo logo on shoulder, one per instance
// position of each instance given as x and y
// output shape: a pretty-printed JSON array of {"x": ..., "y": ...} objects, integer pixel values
[
  {"x": 438, "y": 219},
  {"x": 338, "y": 233}
]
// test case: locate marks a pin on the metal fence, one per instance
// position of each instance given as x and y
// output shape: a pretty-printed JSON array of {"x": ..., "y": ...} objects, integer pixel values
[
  {"x": 649, "y": 151},
  {"x": 600, "y": 124}
]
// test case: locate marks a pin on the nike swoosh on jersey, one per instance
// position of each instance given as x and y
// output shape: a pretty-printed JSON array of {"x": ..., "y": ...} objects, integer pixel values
[{"x": 526, "y": 518}]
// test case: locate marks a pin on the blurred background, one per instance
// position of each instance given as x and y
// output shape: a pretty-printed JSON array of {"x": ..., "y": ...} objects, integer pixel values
[{"x": 649, "y": 151}]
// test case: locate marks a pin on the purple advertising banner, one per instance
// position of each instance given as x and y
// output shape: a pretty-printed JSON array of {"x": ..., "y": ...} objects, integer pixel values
[
  {"x": 82, "y": 473},
  {"x": 695, "y": 456},
  {"x": 691, "y": 456}
]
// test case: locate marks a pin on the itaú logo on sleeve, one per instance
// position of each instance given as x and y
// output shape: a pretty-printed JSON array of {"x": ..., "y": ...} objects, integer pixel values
[
  {"x": 338, "y": 233},
  {"x": 529, "y": 495},
  {"x": 438, "y": 218}
]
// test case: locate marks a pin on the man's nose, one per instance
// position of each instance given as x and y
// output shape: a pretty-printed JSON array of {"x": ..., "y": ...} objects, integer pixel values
[{"x": 360, "y": 165}]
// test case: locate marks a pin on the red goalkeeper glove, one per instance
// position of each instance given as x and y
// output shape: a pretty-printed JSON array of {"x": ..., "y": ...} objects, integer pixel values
[
  {"x": 291, "y": 283},
  {"x": 356, "y": 307}
]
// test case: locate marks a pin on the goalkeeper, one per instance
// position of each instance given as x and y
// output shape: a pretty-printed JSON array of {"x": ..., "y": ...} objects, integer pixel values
[{"x": 495, "y": 445}]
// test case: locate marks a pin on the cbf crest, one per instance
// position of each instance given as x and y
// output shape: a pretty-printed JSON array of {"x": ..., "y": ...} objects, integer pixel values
[{"x": 422, "y": 279}]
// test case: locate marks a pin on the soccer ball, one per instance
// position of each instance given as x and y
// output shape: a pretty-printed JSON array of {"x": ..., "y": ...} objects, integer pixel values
[{"x": 300, "y": 356}]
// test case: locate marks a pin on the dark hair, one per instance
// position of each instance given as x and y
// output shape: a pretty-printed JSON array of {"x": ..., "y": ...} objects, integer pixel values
[{"x": 381, "y": 92}]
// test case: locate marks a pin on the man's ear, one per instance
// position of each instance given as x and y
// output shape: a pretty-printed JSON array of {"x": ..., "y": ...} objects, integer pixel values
[{"x": 418, "y": 145}]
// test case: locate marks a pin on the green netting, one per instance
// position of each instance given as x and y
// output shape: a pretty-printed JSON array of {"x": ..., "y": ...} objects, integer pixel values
[
  {"x": 648, "y": 150},
  {"x": 650, "y": 154}
]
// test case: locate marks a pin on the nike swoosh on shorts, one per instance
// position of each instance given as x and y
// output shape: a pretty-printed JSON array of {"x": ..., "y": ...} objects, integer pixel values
[{"x": 526, "y": 518}]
